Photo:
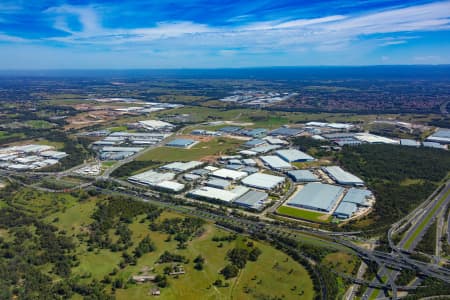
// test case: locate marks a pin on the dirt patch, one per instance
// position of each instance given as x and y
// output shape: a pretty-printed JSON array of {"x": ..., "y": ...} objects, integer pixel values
[
  {"x": 210, "y": 158},
  {"x": 203, "y": 139}
]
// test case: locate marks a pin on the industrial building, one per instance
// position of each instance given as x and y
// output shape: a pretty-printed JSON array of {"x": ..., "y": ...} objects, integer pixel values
[
  {"x": 275, "y": 141},
  {"x": 180, "y": 167},
  {"x": 229, "y": 174},
  {"x": 374, "y": 139},
  {"x": 254, "y": 143},
  {"x": 264, "y": 149},
  {"x": 359, "y": 197},
  {"x": 157, "y": 180},
  {"x": 294, "y": 155},
  {"x": 230, "y": 129},
  {"x": 287, "y": 132},
  {"x": 434, "y": 145},
  {"x": 408, "y": 142},
  {"x": 156, "y": 125},
  {"x": 302, "y": 176},
  {"x": 441, "y": 136},
  {"x": 29, "y": 157},
  {"x": 181, "y": 143},
  {"x": 211, "y": 193},
  {"x": 317, "y": 196},
  {"x": 263, "y": 181},
  {"x": 252, "y": 200},
  {"x": 342, "y": 177},
  {"x": 255, "y": 133},
  {"x": 275, "y": 163},
  {"x": 219, "y": 183},
  {"x": 345, "y": 210}
]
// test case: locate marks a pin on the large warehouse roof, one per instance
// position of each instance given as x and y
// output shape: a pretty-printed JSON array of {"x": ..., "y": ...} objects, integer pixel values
[
  {"x": 213, "y": 193},
  {"x": 357, "y": 196},
  {"x": 264, "y": 148},
  {"x": 442, "y": 136},
  {"x": 182, "y": 166},
  {"x": 171, "y": 185},
  {"x": 303, "y": 176},
  {"x": 342, "y": 177},
  {"x": 291, "y": 155},
  {"x": 151, "y": 177},
  {"x": 121, "y": 149},
  {"x": 374, "y": 139},
  {"x": 263, "y": 181},
  {"x": 285, "y": 131},
  {"x": 317, "y": 196},
  {"x": 180, "y": 143},
  {"x": 252, "y": 199},
  {"x": 275, "y": 162},
  {"x": 229, "y": 174},
  {"x": 345, "y": 210},
  {"x": 155, "y": 124}
]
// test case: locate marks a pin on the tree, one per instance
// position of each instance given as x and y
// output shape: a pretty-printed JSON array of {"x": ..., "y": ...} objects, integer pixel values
[{"x": 230, "y": 271}]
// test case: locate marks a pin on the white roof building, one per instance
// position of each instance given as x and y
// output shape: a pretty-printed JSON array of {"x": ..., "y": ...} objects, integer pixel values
[
  {"x": 156, "y": 124},
  {"x": 229, "y": 174},
  {"x": 292, "y": 155},
  {"x": 276, "y": 163},
  {"x": 263, "y": 181}
]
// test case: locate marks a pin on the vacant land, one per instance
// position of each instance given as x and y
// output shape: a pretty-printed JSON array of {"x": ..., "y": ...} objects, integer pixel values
[
  {"x": 215, "y": 147},
  {"x": 303, "y": 214}
]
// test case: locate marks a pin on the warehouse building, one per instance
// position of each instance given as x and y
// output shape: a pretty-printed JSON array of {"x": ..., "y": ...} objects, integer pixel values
[
  {"x": 275, "y": 163},
  {"x": 441, "y": 136},
  {"x": 342, "y": 177},
  {"x": 151, "y": 178},
  {"x": 254, "y": 143},
  {"x": 249, "y": 170},
  {"x": 434, "y": 145},
  {"x": 230, "y": 129},
  {"x": 408, "y": 142},
  {"x": 294, "y": 155},
  {"x": 358, "y": 196},
  {"x": 211, "y": 193},
  {"x": 264, "y": 149},
  {"x": 191, "y": 177},
  {"x": 275, "y": 141},
  {"x": 345, "y": 210},
  {"x": 263, "y": 181},
  {"x": 181, "y": 143},
  {"x": 218, "y": 183},
  {"x": 302, "y": 176},
  {"x": 229, "y": 174},
  {"x": 182, "y": 166},
  {"x": 253, "y": 200},
  {"x": 317, "y": 196},
  {"x": 154, "y": 125},
  {"x": 287, "y": 132},
  {"x": 374, "y": 139},
  {"x": 157, "y": 180},
  {"x": 255, "y": 133}
]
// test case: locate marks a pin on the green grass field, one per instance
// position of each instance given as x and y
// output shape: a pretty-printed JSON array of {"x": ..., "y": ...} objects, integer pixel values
[
  {"x": 302, "y": 214},
  {"x": 255, "y": 281},
  {"x": 273, "y": 268},
  {"x": 217, "y": 146}
]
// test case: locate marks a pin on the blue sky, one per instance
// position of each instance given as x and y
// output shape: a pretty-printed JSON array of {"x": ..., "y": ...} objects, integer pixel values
[{"x": 61, "y": 34}]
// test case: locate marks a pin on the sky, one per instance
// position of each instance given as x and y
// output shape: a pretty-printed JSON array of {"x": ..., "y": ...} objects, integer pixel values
[{"x": 117, "y": 34}]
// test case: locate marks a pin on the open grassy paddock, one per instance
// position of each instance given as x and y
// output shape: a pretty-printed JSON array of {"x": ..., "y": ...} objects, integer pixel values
[
  {"x": 303, "y": 214},
  {"x": 256, "y": 280},
  {"x": 217, "y": 146}
]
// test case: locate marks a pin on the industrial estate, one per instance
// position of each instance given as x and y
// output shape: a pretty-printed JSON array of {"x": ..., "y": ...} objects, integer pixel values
[{"x": 105, "y": 195}]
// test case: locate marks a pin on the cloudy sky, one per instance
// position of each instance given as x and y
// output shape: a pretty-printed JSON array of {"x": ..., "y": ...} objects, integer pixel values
[{"x": 60, "y": 34}]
